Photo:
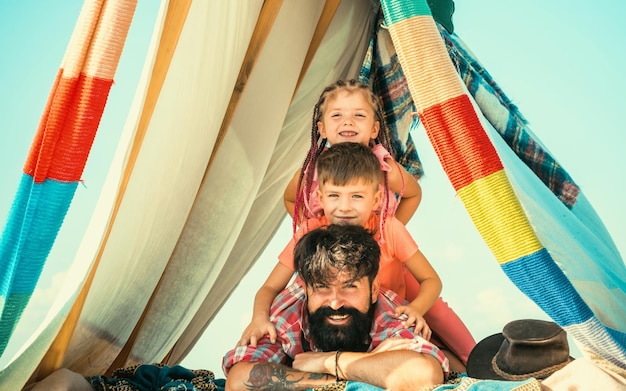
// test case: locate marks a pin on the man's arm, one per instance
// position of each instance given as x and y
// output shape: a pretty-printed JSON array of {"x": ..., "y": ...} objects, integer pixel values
[
  {"x": 391, "y": 366},
  {"x": 391, "y": 370},
  {"x": 269, "y": 376}
]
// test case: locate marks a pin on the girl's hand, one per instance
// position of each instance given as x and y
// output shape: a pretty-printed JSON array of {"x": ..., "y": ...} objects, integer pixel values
[
  {"x": 394, "y": 343},
  {"x": 256, "y": 330},
  {"x": 412, "y": 317}
]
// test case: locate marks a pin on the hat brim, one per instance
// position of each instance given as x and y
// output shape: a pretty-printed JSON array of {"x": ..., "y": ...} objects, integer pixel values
[{"x": 479, "y": 360}]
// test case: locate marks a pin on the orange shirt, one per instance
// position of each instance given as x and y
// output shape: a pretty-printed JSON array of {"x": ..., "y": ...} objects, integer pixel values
[{"x": 398, "y": 246}]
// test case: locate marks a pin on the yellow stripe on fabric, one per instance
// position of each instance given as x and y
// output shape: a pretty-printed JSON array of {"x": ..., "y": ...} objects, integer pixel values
[
  {"x": 419, "y": 47},
  {"x": 499, "y": 218}
]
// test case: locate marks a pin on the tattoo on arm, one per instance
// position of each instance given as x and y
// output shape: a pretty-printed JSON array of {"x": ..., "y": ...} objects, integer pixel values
[{"x": 268, "y": 376}]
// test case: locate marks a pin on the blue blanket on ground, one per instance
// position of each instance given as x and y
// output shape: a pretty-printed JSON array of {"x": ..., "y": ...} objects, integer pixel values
[{"x": 465, "y": 384}]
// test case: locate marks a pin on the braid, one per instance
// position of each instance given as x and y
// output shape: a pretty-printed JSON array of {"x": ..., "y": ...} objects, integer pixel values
[
  {"x": 305, "y": 181},
  {"x": 307, "y": 171},
  {"x": 383, "y": 134},
  {"x": 384, "y": 140}
]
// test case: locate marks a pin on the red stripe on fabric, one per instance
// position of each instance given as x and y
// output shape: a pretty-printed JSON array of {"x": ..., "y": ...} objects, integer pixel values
[
  {"x": 460, "y": 141},
  {"x": 67, "y": 129},
  {"x": 35, "y": 147}
]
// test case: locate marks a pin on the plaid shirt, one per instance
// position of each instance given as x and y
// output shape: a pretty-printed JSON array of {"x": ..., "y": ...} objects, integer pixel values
[{"x": 288, "y": 313}]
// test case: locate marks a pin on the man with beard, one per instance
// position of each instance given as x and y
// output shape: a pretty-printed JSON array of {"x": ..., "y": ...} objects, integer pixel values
[{"x": 336, "y": 323}]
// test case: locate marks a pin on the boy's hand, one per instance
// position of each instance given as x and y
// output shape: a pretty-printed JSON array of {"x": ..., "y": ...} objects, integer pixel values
[
  {"x": 394, "y": 343},
  {"x": 256, "y": 330},
  {"x": 412, "y": 317}
]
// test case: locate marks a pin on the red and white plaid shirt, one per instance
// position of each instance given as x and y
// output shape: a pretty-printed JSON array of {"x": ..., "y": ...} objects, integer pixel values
[{"x": 288, "y": 313}]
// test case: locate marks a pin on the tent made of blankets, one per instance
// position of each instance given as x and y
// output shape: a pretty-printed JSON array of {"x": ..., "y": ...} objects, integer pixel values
[{"x": 148, "y": 250}]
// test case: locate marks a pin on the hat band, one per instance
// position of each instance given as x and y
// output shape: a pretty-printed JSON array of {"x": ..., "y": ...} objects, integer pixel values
[{"x": 541, "y": 374}]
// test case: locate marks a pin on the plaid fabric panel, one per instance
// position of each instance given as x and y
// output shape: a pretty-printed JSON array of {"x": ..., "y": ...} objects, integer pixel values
[
  {"x": 510, "y": 124},
  {"x": 381, "y": 69}
]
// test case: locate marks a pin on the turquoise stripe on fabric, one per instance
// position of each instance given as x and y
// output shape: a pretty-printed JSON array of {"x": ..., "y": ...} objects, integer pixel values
[
  {"x": 11, "y": 312},
  {"x": 396, "y": 11},
  {"x": 543, "y": 282},
  {"x": 34, "y": 220},
  {"x": 538, "y": 276},
  {"x": 464, "y": 383},
  {"x": 38, "y": 208}
]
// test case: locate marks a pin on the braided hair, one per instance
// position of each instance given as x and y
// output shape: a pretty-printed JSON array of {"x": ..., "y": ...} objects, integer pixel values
[{"x": 318, "y": 144}]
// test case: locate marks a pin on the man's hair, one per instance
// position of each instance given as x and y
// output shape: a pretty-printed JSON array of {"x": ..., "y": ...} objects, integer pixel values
[
  {"x": 323, "y": 253},
  {"x": 345, "y": 162}
]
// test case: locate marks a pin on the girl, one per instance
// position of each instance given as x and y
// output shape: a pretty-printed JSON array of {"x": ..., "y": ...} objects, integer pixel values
[{"x": 349, "y": 111}]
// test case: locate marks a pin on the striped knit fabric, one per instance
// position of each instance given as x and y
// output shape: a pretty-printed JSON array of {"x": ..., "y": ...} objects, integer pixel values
[
  {"x": 477, "y": 174},
  {"x": 59, "y": 152},
  {"x": 509, "y": 122}
]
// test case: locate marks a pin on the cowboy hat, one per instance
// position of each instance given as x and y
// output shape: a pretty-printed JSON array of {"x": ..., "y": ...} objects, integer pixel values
[{"x": 525, "y": 348}]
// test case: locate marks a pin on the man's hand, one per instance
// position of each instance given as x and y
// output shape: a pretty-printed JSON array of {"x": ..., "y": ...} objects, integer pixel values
[
  {"x": 324, "y": 362},
  {"x": 315, "y": 362},
  {"x": 256, "y": 330}
]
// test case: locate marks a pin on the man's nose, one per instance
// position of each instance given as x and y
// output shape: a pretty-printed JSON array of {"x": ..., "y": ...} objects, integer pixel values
[{"x": 336, "y": 301}]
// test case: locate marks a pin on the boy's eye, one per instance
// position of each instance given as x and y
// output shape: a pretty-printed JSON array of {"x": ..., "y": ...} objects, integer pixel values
[
  {"x": 333, "y": 195},
  {"x": 357, "y": 196}
]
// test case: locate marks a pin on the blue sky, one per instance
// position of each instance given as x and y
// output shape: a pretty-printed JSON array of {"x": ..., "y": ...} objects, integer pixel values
[{"x": 560, "y": 63}]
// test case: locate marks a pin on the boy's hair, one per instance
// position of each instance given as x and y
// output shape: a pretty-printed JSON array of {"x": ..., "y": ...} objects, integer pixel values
[
  {"x": 318, "y": 143},
  {"x": 321, "y": 254},
  {"x": 345, "y": 162}
]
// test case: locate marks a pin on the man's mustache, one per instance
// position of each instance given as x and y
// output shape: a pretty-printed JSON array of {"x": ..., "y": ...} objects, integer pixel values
[{"x": 327, "y": 311}]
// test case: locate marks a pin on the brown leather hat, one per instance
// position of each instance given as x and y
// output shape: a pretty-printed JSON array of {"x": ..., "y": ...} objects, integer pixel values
[{"x": 525, "y": 348}]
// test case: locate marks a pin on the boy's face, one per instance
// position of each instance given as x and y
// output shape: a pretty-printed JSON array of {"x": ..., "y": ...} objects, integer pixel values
[
  {"x": 348, "y": 117},
  {"x": 351, "y": 204}
]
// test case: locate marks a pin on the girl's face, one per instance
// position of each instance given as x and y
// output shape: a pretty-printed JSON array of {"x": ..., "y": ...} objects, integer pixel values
[{"x": 348, "y": 117}]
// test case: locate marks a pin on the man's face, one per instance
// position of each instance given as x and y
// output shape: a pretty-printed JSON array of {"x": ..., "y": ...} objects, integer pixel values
[{"x": 341, "y": 313}]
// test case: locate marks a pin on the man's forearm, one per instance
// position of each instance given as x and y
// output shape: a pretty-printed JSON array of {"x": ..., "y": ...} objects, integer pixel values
[
  {"x": 268, "y": 376},
  {"x": 396, "y": 370}
]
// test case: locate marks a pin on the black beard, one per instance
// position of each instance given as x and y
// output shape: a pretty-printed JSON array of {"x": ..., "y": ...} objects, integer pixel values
[{"x": 352, "y": 337}]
